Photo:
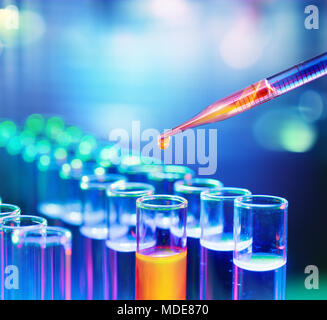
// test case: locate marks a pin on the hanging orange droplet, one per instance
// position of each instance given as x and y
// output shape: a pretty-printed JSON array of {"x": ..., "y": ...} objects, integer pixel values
[{"x": 163, "y": 142}]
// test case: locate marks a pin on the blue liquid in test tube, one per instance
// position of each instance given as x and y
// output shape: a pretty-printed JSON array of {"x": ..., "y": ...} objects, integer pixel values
[
  {"x": 191, "y": 190},
  {"x": 138, "y": 173},
  {"x": 94, "y": 233},
  {"x": 163, "y": 179},
  {"x": 72, "y": 218},
  {"x": 21, "y": 260},
  {"x": 217, "y": 243},
  {"x": 54, "y": 244},
  {"x": 260, "y": 267},
  {"x": 121, "y": 243},
  {"x": 52, "y": 185}
]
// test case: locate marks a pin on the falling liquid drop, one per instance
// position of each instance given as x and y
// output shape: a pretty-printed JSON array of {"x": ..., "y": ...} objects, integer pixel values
[{"x": 163, "y": 142}]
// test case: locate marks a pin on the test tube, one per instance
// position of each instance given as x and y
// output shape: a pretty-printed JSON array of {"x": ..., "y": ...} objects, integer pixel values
[
  {"x": 108, "y": 157},
  {"x": 22, "y": 270},
  {"x": 72, "y": 218},
  {"x": 52, "y": 187},
  {"x": 8, "y": 130},
  {"x": 26, "y": 167},
  {"x": 191, "y": 190},
  {"x": 121, "y": 241},
  {"x": 217, "y": 243},
  {"x": 163, "y": 180},
  {"x": 161, "y": 248},
  {"x": 12, "y": 175},
  {"x": 260, "y": 235},
  {"x": 8, "y": 210},
  {"x": 54, "y": 243},
  {"x": 73, "y": 171},
  {"x": 138, "y": 173},
  {"x": 94, "y": 232}
]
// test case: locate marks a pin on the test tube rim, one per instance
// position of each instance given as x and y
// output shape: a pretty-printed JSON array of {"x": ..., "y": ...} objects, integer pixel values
[
  {"x": 171, "y": 175},
  {"x": 92, "y": 181},
  {"x": 281, "y": 203},
  {"x": 43, "y": 223},
  {"x": 147, "y": 189},
  {"x": 213, "y": 194},
  {"x": 63, "y": 236},
  {"x": 15, "y": 208},
  {"x": 178, "y": 168},
  {"x": 141, "y": 205},
  {"x": 134, "y": 169},
  {"x": 124, "y": 160},
  {"x": 183, "y": 187}
]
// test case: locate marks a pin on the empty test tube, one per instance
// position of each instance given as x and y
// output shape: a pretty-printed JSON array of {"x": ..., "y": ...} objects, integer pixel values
[
  {"x": 94, "y": 232},
  {"x": 22, "y": 272},
  {"x": 191, "y": 190},
  {"x": 121, "y": 241},
  {"x": 54, "y": 243}
]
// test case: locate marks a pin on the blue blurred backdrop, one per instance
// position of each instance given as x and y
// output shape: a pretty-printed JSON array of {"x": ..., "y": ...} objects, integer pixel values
[{"x": 101, "y": 64}]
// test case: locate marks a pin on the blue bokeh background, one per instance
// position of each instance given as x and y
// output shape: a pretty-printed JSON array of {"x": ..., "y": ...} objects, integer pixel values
[{"x": 102, "y": 64}]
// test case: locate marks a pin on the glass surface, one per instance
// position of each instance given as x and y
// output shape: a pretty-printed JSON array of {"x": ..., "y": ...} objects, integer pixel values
[
  {"x": 93, "y": 235},
  {"x": 261, "y": 222},
  {"x": 22, "y": 275},
  {"x": 161, "y": 248},
  {"x": 191, "y": 190},
  {"x": 217, "y": 243},
  {"x": 121, "y": 243}
]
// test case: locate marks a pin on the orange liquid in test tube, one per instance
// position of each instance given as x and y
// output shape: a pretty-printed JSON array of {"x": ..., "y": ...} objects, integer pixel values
[{"x": 161, "y": 274}]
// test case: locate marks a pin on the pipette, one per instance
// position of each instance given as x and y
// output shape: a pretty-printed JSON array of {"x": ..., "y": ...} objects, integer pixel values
[{"x": 258, "y": 93}]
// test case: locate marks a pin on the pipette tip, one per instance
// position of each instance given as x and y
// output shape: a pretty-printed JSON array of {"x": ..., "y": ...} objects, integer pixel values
[{"x": 163, "y": 141}]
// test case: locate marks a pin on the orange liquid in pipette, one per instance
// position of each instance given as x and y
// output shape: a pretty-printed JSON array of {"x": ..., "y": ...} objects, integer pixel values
[
  {"x": 161, "y": 274},
  {"x": 225, "y": 108}
]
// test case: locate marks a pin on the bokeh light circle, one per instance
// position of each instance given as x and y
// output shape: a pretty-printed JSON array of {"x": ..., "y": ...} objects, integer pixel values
[{"x": 285, "y": 130}]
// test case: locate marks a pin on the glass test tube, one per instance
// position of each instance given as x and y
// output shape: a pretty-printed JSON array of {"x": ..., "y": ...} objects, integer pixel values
[
  {"x": 191, "y": 190},
  {"x": 72, "y": 172},
  {"x": 8, "y": 210},
  {"x": 161, "y": 248},
  {"x": 217, "y": 243},
  {"x": 8, "y": 130},
  {"x": 52, "y": 187},
  {"x": 72, "y": 217},
  {"x": 54, "y": 243},
  {"x": 138, "y": 173},
  {"x": 108, "y": 156},
  {"x": 27, "y": 169},
  {"x": 260, "y": 235},
  {"x": 121, "y": 241},
  {"x": 22, "y": 270},
  {"x": 12, "y": 176},
  {"x": 94, "y": 232},
  {"x": 163, "y": 180}
]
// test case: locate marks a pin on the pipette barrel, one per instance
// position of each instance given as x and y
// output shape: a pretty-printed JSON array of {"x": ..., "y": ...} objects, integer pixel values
[
  {"x": 299, "y": 75},
  {"x": 256, "y": 94}
]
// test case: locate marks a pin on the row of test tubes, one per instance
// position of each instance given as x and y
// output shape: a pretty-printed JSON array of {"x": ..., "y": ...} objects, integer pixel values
[{"x": 137, "y": 230}]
